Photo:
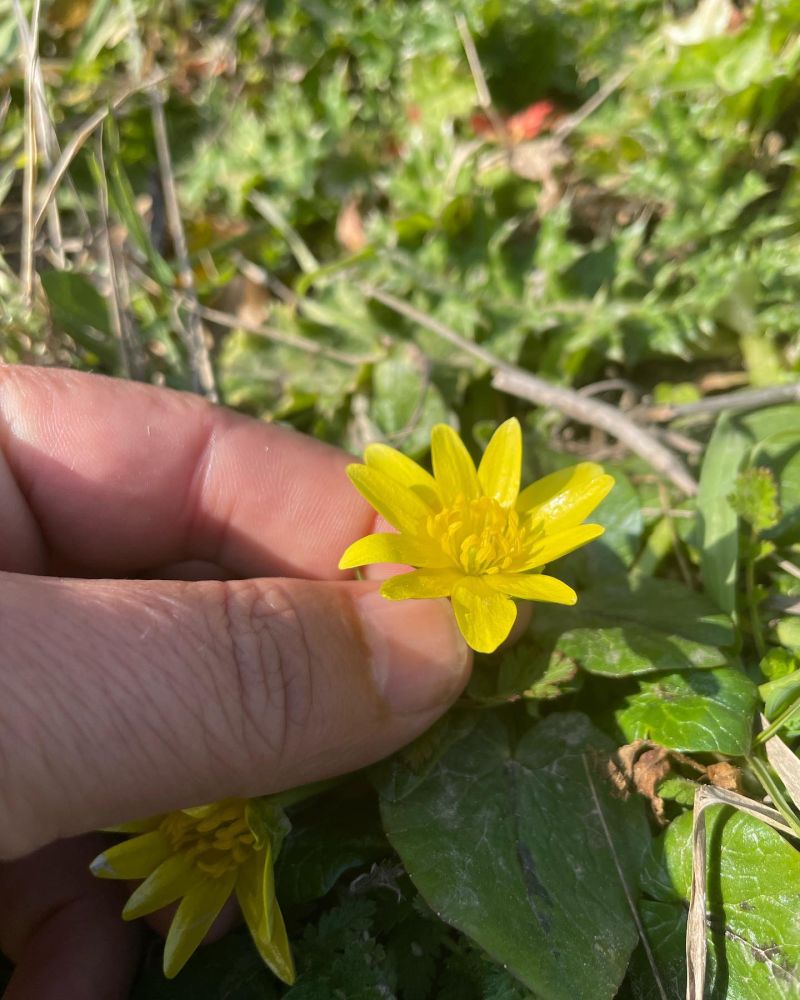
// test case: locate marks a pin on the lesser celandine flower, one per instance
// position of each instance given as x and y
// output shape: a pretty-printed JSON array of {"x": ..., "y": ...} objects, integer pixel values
[
  {"x": 471, "y": 533},
  {"x": 201, "y": 856}
]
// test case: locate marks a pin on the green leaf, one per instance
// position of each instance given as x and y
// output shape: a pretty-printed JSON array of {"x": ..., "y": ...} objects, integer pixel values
[
  {"x": 753, "y": 900},
  {"x": 755, "y": 498},
  {"x": 123, "y": 202},
  {"x": 327, "y": 841},
  {"x": 718, "y": 534},
  {"x": 621, "y": 516},
  {"x": 503, "y": 841},
  {"x": 702, "y": 711},
  {"x": 81, "y": 311},
  {"x": 779, "y": 694},
  {"x": 620, "y": 629},
  {"x": 405, "y": 403}
]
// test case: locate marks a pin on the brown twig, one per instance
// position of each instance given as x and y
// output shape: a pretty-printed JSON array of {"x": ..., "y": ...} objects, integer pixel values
[
  {"x": 750, "y": 399},
  {"x": 517, "y": 382},
  {"x": 194, "y": 338}
]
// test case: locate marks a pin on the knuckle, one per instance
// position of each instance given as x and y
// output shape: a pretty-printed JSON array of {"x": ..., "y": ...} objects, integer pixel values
[{"x": 271, "y": 664}]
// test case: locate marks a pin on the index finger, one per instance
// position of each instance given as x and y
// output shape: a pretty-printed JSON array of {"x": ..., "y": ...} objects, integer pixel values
[{"x": 108, "y": 477}]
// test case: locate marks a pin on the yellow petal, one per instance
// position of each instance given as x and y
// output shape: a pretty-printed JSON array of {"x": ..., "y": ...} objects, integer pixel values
[
  {"x": 255, "y": 890},
  {"x": 532, "y": 587},
  {"x": 276, "y": 952},
  {"x": 171, "y": 880},
  {"x": 198, "y": 910},
  {"x": 484, "y": 616},
  {"x": 501, "y": 465},
  {"x": 566, "y": 497},
  {"x": 137, "y": 826},
  {"x": 388, "y": 548},
  {"x": 403, "y": 470},
  {"x": 452, "y": 465},
  {"x": 421, "y": 583},
  {"x": 403, "y": 509},
  {"x": 555, "y": 546},
  {"x": 134, "y": 858}
]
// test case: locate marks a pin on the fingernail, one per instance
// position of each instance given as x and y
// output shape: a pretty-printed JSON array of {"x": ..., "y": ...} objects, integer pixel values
[{"x": 419, "y": 659}]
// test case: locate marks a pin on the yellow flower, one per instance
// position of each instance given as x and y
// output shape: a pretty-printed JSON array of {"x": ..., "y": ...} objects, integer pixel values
[
  {"x": 471, "y": 533},
  {"x": 200, "y": 856}
]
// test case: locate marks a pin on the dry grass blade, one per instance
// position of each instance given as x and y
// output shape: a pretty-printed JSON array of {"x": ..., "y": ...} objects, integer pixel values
[
  {"x": 785, "y": 764},
  {"x": 28, "y": 34},
  {"x": 571, "y": 122},
  {"x": 696, "y": 922},
  {"x": 479, "y": 78},
  {"x": 267, "y": 208},
  {"x": 709, "y": 795},
  {"x": 623, "y": 881},
  {"x": 294, "y": 340},
  {"x": 194, "y": 338},
  {"x": 79, "y": 137},
  {"x": 518, "y": 382},
  {"x": 44, "y": 130},
  {"x": 131, "y": 356}
]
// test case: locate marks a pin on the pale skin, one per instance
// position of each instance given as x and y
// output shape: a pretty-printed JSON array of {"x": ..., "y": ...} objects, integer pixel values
[{"x": 175, "y": 631}]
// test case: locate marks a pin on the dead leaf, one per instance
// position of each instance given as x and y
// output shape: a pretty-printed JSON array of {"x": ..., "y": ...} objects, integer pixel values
[
  {"x": 350, "y": 227},
  {"x": 725, "y": 775}
]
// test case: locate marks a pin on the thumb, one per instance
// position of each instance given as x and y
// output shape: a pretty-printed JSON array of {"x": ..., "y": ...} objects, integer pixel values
[{"x": 123, "y": 699}]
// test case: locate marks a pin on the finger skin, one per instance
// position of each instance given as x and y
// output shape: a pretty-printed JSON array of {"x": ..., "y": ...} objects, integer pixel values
[
  {"x": 124, "y": 699},
  {"x": 104, "y": 477},
  {"x": 61, "y": 927}
]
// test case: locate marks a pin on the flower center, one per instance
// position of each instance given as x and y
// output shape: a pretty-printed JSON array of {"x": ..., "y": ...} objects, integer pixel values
[
  {"x": 482, "y": 536},
  {"x": 214, "y": 839}
]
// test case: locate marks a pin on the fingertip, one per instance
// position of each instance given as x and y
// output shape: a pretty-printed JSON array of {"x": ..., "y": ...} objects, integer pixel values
[{"x": 419, "y": 659}]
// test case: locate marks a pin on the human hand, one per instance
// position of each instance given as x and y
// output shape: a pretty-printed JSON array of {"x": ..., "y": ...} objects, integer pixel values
[{"x": 244, "y": 663}]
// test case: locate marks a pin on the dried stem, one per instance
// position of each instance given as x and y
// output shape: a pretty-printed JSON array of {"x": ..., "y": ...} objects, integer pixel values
[
  {"x": 479, "y": 78},
  {"x": 294, "y": 340},
  {"x": 28, "y": 34},
  {"x": 517, "y": 382},
  {"x": 750, "y": 399},
  {"x": 194, "y": 338}
]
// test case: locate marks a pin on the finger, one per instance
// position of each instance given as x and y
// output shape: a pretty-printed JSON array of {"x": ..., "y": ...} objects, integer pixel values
[
  {"x": 107, "y": 477},
  {"x": 140, "y": 697},
  {"x": 61, "y": 927}
]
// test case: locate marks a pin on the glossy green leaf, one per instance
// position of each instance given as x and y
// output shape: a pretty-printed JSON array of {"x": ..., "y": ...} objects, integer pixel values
[
  {"x": 702, "y": 711},
  {"x": 718, "y": 524},
  {"x": 619, "y": 628},
  {"x": 504, "y": 838},
  {"x": 328, "y": 840},
  {"x": 753, "y": 879}
]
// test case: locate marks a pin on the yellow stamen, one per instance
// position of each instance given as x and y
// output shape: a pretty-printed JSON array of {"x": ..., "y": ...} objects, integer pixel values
[
  {"x": 482, "y": 536},
  {"x": 215, "y": 842}
]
